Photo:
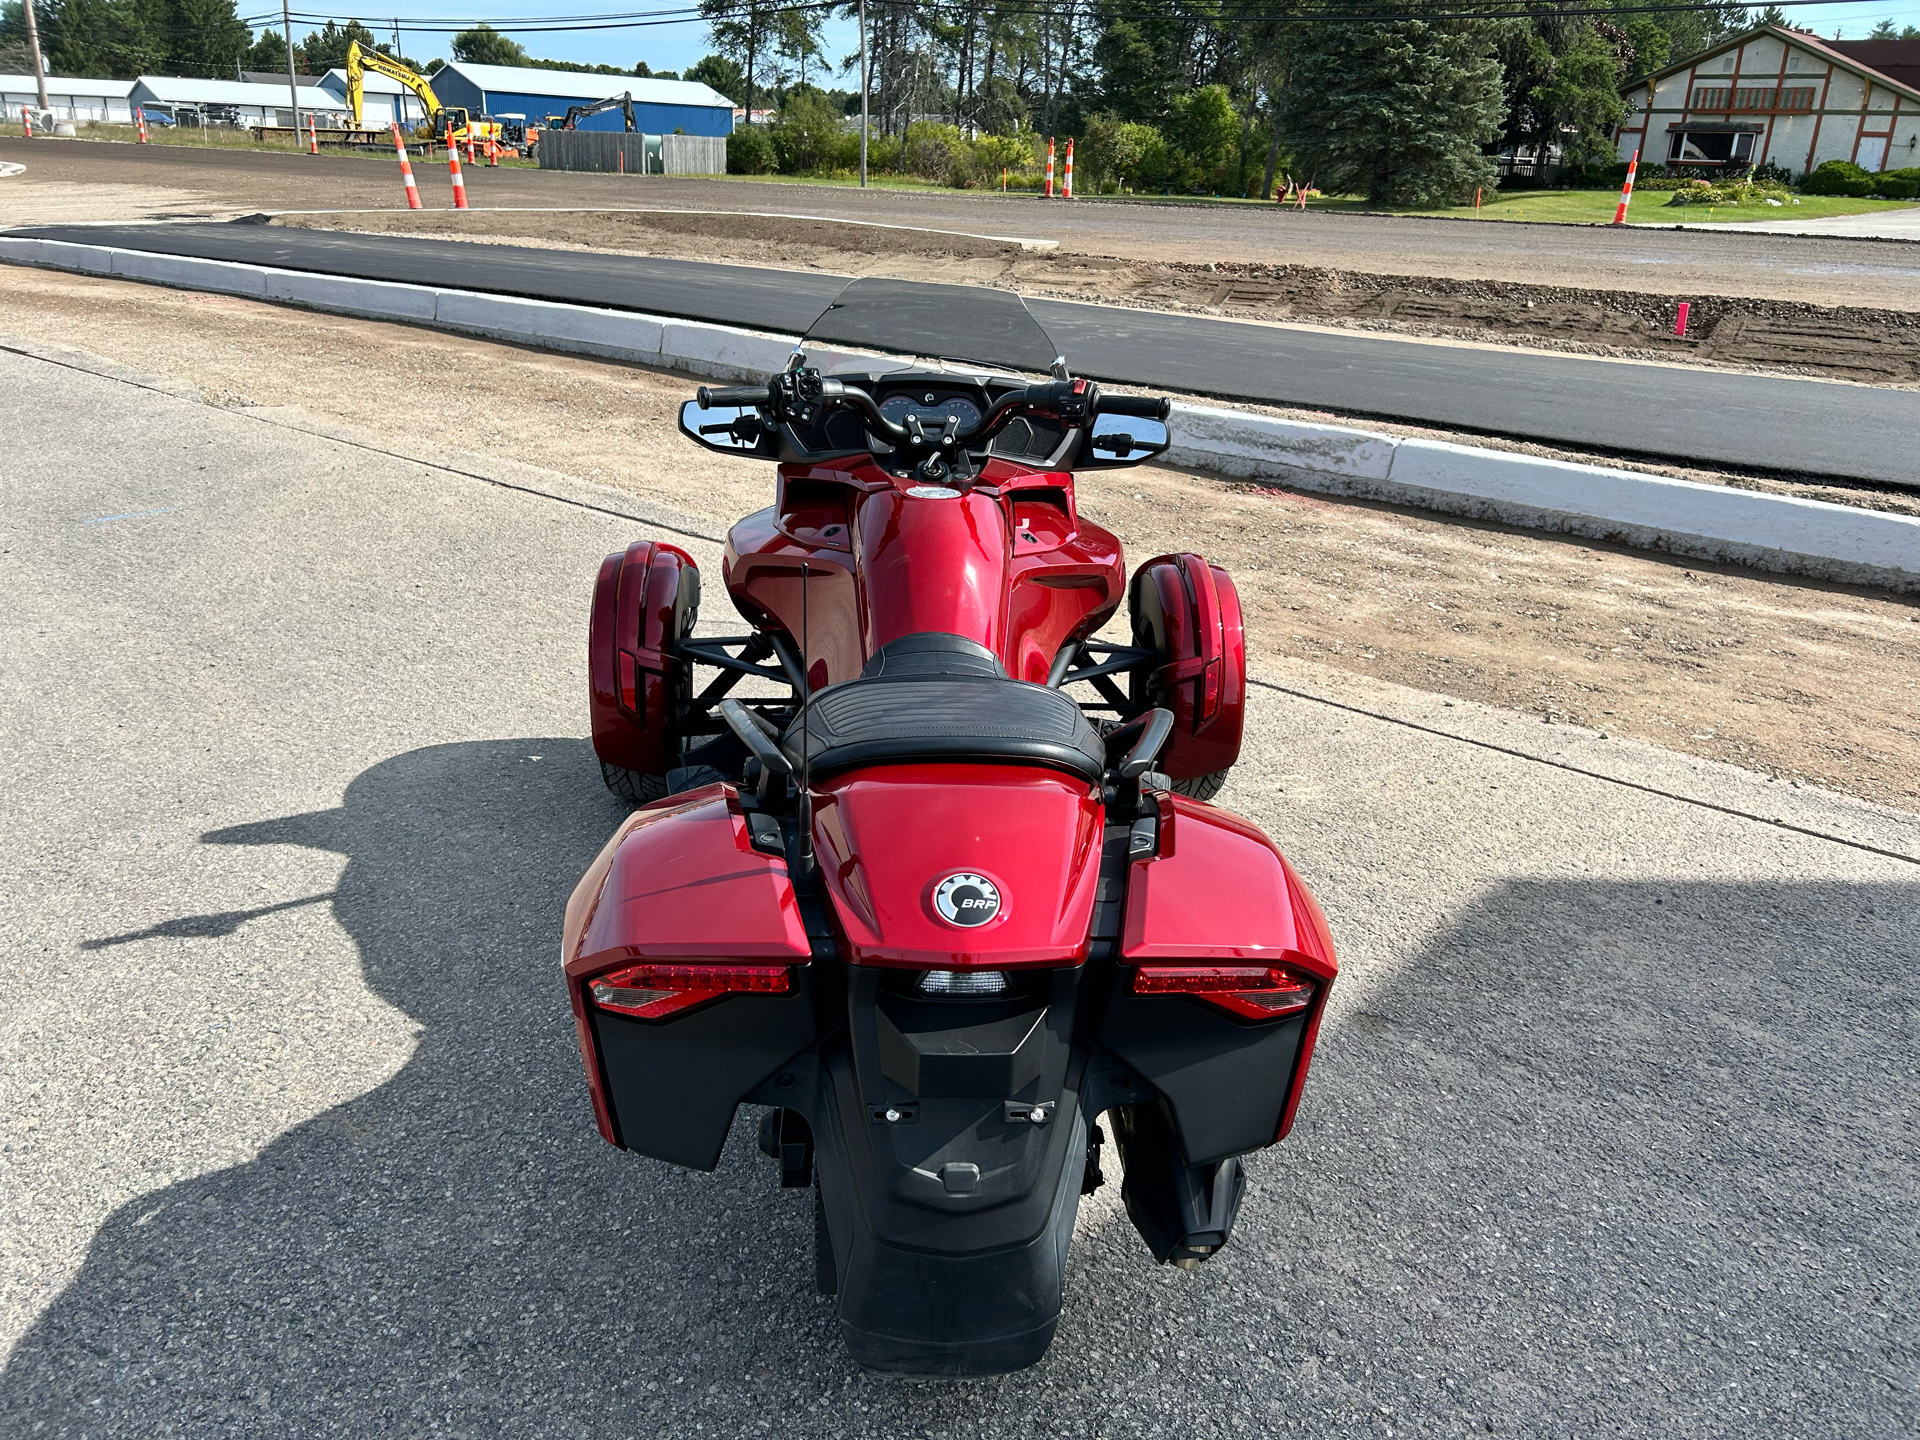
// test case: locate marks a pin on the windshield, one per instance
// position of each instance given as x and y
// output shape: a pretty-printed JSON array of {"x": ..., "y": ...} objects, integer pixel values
[{"x": 945, "y": 322}]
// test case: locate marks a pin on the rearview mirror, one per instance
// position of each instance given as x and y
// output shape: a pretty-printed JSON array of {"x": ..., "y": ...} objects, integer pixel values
[
  {"x": 730, "y": 430},
  {"x": 1124, "y": 440}
]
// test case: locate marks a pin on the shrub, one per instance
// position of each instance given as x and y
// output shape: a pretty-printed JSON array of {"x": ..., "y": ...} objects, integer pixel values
[
  {"x": 749, "y": 151},
  {"x": 1602, "y": 176},
  {"x": 1731, "y": 192},
  {"x": 1839, "y": 177},
  {"x": 1899, "y": 187},
  {"x": 805, "y": 134}
]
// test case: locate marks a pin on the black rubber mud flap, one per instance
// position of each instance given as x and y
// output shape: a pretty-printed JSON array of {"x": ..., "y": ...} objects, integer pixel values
[
  {"x": 1184, "y": 1212},
  {"x": 826, "y": 1276},
  {"x": 1000, "y": 1305}
]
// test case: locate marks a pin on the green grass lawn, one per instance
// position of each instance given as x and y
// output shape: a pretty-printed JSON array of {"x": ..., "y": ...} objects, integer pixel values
[{"x": 1649, "y": 207}]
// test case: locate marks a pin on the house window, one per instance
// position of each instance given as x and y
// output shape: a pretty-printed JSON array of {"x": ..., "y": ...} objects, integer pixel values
[
  {"x": 1710, "y": 147},
  {"x": 1710, "y": 97}
]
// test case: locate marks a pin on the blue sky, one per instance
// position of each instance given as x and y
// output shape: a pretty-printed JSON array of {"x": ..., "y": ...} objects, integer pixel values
[{"x": 674, "y": 47}]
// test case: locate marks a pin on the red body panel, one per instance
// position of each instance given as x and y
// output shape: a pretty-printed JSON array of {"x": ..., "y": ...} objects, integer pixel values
[
  {"x": 886, "y": 836},
  {"x": 637, "y": 602},
  {"x": 1192, "y": 611},
  {"x": 1008, "y": 564},
  {"x": 678, "y": 880},
  {"x": 1220, "y": 890}
]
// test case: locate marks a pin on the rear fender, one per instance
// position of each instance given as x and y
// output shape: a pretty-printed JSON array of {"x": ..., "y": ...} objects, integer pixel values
[
  {"x": 1188, "y": 612},
  {"x": 644, "y": 600},
  {"x": 681, "y": 881},
  {"x": 1217, "y": 890}
]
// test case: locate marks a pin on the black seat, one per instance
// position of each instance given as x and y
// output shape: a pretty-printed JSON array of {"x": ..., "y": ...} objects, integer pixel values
[{"x": 933, "y": 696}]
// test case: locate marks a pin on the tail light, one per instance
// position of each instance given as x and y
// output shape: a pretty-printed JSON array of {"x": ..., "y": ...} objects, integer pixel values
[
  {"x": 963, "y": 982},
  {"x": 653, "y": 992},
  {"x": 1250, "y": 992}
]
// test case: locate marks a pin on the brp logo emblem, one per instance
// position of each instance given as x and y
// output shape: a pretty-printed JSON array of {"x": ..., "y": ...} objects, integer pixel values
[{"x": 966, "y": 899}]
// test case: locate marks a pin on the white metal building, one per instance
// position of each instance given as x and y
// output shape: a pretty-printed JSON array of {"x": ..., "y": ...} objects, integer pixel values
[
  {"x": 79, "y": 100},
  {"x": 382, "y": 100},
  {"x": 235, "y": 101},
  {"x": 1773, "y": 96}
]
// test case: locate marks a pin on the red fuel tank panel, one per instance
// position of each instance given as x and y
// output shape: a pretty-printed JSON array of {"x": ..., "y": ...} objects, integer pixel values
[{"x": 887, "y": 838}]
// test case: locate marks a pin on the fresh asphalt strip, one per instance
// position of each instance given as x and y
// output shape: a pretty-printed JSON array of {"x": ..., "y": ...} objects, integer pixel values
[{"x": 1767, "y": 423}]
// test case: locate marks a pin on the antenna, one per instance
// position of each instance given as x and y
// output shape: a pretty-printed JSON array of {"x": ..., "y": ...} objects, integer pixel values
[{"x": 806, "y": 750}]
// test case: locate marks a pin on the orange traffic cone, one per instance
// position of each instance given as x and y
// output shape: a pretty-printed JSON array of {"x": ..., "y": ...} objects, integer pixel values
[
  {"x": 406, "y": 170},
  {"x": 453, "y": 168}
]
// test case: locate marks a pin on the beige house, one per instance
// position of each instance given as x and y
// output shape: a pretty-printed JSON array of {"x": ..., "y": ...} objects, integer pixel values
[{"x": 1781, "y": 97}]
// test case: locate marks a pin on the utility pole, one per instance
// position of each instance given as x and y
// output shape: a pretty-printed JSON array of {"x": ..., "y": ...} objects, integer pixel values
[
  {"x": 863, "y": 88},
  {"x": 293, "y": 85},
  {"x": 39, "y": 66}
]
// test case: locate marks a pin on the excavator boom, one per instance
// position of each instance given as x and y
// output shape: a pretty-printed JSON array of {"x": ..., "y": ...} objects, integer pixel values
[{"x": 439, "y": 119}]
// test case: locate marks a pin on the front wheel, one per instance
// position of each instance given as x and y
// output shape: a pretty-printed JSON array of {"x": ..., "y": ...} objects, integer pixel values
[
  {"x": 632, "y": 786},
  {"x": 1200, "y": 787}
]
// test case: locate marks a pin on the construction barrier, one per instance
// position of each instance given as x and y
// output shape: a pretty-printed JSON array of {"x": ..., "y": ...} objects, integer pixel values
[
  {"x": 313, "y": 136},
  {"x": 1680, "y": 320},
  {"x": 406, "y": 170},
  {"x": 453, "y": 169},
  {"x": 26, "y": 119},
  {"x": 1049, "y": 167},
  {"x": 614, "y": 152},
  {"x": 1068, "y": 191},
  {"x": 493, "y": 156},
  {"x": 1626, "y": 191},
  {"x": 140, "y": 119}
]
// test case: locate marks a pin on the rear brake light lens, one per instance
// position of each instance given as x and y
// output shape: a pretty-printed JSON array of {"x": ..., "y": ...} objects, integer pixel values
[
  {"x": 653, "y": 992},
  {"x": 1251, "y": 992},
  {"x": 963, "y": 982}
]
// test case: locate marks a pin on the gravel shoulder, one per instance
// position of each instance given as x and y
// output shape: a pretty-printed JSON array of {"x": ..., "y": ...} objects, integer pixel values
[{"x": 1808, "y": 682}]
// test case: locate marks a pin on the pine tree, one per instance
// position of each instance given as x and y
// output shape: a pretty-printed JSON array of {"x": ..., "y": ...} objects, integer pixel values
[{"x": 1397, "y": 110}]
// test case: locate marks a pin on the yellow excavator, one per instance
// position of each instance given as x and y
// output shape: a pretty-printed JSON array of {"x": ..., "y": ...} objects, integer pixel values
[{"x": 439, "y": 117}]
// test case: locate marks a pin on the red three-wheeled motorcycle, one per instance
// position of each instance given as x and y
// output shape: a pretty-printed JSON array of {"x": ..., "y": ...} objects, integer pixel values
[{"x": 889, "y": 876}]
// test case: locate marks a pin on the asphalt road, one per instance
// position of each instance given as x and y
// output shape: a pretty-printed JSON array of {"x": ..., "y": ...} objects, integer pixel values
[
  {"x": 1612, "y": 1130},
  {"x": 1703, "y": 417},
  {"x": 1715, "y": 260}
]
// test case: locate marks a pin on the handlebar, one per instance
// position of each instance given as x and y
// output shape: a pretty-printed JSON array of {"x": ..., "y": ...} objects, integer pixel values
[
  {"x": 1071, "y": 402},
  {"x": 1144, "y": 407},
  {"x": 712, "y": 395}
]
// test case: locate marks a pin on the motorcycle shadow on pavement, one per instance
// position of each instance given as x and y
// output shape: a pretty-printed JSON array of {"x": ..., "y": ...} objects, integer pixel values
[{"x": 1572, "y": 1127}]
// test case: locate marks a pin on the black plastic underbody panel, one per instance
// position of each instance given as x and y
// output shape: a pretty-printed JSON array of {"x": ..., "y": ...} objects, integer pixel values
[
  {"x": 674, "y": 1084},
  {"x": 1225, "y": 1082}
]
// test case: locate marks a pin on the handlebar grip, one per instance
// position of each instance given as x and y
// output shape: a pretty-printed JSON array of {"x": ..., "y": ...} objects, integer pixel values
[
  {"x": 1144, "y": 407},
  {"x": 712, "y": 395}
]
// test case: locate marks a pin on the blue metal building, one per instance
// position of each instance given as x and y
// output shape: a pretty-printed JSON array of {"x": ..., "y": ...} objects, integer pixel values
[{"x": 660, "y": 107}]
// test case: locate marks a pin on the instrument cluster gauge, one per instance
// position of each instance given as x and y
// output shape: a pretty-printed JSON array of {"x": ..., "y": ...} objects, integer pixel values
[{"x": 932, "y": 409}]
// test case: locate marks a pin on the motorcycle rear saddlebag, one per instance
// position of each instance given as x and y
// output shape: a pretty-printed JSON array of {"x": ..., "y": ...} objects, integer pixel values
[
  {"x": 1217, "y": 899},
  {"x": 687, "y": 964}
]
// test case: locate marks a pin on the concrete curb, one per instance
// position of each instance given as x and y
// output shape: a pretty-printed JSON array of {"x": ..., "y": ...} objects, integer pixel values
[{"x": 1780, "y": 533}]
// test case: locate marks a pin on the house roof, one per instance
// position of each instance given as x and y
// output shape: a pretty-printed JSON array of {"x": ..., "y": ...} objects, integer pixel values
[
  {"x": 1896, "y": 59},
  {"x": 581, "y": 85},
  {"x": 177, "y": 90},
  {"x": 1800, "y": 38},
  {"x": 59, "y": 85}
]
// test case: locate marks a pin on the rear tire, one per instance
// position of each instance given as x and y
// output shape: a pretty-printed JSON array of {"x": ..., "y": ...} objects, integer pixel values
[
  {"x": 632, "y": 786},
  {"x": 1201, "y": 787}
]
